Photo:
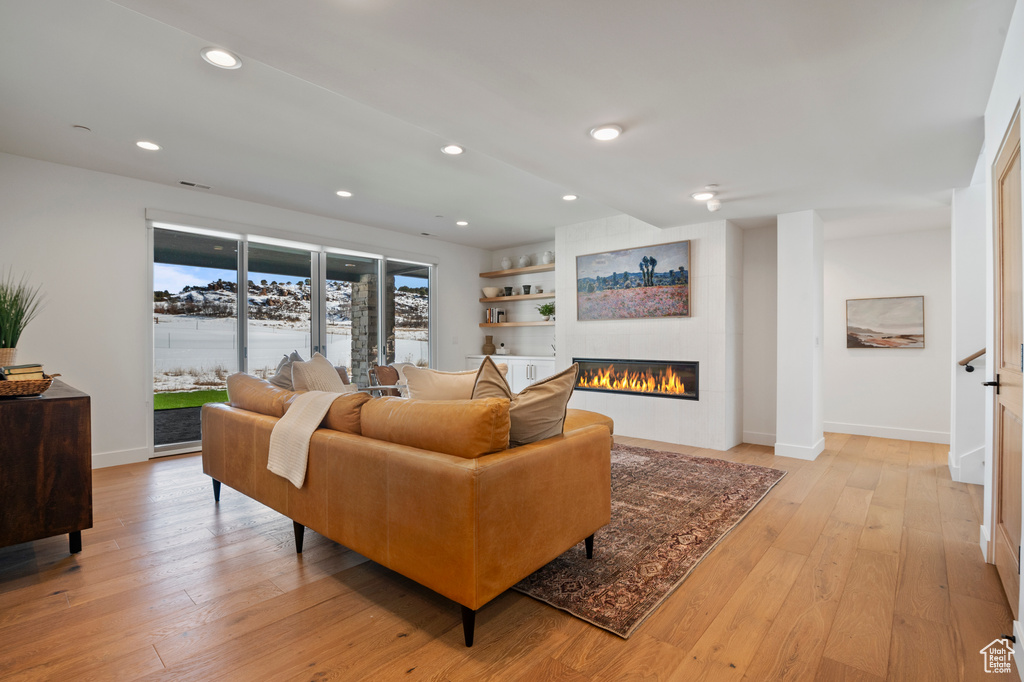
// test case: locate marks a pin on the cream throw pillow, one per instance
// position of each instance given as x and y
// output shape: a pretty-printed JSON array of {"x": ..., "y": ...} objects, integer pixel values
[
  {"x": 283, "y": 374},
  {"x": 318, "y": 375},
  {"x": 430, "y": 384},
  {"x": 538, "y": 411}
]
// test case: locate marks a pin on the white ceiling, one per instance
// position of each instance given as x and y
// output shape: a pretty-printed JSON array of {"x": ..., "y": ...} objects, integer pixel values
[{"x": 857, "y": 109}]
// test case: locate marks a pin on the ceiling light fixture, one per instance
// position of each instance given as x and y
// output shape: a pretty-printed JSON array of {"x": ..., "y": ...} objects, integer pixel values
[
  {"x": 452, "y": 149},
  {"x": 714, "y": 205},
  {"x": 461, "y": 223},
  {"x": 148, "y": 146},
  {"x": 343, "y": 193},
  {"x": 606, "y": 132},
  {"x": 703, "y": 196},
  {"x": 570, "y": 197},
  {"x": 221, "y": 58}
]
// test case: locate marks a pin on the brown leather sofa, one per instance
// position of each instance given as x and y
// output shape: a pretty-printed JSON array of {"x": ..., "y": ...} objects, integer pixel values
[{"x": 428, "y": 489}]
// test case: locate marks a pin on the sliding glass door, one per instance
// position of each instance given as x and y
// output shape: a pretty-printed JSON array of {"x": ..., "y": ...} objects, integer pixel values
[
  {"x": 357, "y": 309},
  {"x": 278, "y": 305},
  {"x": 195, "y": 329}
]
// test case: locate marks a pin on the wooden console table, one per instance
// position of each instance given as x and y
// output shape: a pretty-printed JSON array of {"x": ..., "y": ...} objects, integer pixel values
[{"x": 45, "y": 466}]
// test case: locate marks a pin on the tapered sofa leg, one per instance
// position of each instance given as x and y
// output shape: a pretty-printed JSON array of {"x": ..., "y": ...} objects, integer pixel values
[
  {"x": 589, "y": 543},
  {"x": 468, "y": 624},
  {"x": 216, "y": 490},
  {"x": 300, "y": 531}
]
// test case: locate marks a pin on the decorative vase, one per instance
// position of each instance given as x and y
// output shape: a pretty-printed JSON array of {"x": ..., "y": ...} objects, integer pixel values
[
  {"x": 489, "y": 346},
  {"x": 547, "y": 258},
  {"x": 526, "y": 289},
  {"x": 7, "y": 356},
  {"x": 524, "y": 261},
  {"x": 506, "y": 263}
]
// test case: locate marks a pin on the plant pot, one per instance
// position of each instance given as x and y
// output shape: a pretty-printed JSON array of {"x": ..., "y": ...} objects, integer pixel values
[{"x": 7, "y": 356}]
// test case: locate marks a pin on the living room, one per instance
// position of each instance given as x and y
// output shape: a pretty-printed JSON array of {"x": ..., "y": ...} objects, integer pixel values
[{"x": 75, "y": 211}]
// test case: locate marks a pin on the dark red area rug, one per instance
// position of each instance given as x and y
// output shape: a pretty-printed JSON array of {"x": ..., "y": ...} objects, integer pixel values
[{"x": 668, "y": 511}]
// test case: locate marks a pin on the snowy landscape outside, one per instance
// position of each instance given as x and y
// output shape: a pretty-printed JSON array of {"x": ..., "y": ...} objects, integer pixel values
[{"x": 196, "y": 332}]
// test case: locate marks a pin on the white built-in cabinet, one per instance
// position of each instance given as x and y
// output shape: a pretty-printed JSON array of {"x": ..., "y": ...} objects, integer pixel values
[{"x": 523, "y": 370}]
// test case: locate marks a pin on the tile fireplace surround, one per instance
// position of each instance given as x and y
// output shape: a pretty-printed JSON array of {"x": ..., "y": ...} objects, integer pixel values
[{"x": 712, "y": 336}]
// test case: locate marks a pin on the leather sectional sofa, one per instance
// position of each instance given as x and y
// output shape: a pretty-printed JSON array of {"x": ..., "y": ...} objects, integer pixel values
[{"x": 429, "y": 489}]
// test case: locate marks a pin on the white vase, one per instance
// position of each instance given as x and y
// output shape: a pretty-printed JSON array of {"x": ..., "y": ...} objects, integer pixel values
[
  {"x": 506, "y": 263},
  {"x": 524, "y": 261},
  {"x": 547, "y": 258}
]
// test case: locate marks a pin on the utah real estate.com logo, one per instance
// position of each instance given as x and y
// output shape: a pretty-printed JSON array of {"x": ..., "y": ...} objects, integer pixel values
[{"x": 998, "y": 656}]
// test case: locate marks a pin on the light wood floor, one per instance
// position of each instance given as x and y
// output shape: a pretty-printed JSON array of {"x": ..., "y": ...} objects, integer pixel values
[{"x": 862, "y": 565}]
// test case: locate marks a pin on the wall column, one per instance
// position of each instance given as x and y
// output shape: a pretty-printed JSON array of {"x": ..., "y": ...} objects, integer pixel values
[{"x": 799, "y": 419}]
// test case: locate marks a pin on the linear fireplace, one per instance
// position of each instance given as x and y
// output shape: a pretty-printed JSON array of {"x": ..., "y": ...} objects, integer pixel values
[{"x": 639, "y": 377}]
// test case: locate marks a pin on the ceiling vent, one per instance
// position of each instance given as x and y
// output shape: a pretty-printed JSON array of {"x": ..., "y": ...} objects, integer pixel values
[{"x": 193, "y": 185}]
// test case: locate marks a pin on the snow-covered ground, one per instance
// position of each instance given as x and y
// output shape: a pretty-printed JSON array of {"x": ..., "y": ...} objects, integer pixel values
[{"x": 195, "y": 351}]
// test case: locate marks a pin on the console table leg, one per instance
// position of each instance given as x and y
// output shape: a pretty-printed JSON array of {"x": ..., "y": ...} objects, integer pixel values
[
  {"x": 75, "y": 541},
  {"x": 468, "y": 624},
  {"x": 300, "y": 531},
  {"x": 589, "y": 543},
  {"x": 216, "y": 490}
]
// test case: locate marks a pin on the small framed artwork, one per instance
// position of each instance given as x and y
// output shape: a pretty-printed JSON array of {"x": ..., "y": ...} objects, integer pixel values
[
  {"x": 896, "y": 322},
  {"x": 646, "y": 282}
]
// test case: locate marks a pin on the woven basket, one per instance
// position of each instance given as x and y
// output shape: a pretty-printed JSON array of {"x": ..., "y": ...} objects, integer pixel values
[
  {"x": 7, "y": 356},
  {"x": 13, "y": 389}
]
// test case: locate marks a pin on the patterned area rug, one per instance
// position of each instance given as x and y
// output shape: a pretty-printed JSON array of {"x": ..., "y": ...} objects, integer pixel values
[{"x": 668, "y": 511}]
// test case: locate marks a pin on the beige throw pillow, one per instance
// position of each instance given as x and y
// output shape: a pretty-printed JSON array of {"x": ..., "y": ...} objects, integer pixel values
[
  {"x": 318, "y": 375},
  {"x": 430, "y": 384},
  {"x": 538, "y": 411},
  {"x": 283, "y": 374}
]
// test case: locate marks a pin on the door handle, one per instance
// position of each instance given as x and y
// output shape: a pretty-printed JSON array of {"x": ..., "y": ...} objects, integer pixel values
[{"x": 992, "y": 383}]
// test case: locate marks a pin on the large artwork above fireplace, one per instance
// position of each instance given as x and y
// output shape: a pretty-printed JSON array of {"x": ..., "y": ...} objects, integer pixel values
[{"x": 639, "y": 377}]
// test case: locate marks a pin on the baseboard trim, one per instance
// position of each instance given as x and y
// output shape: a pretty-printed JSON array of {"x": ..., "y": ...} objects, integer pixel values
[
  {"x": 755, "y": 438},
  {"x": 969, "y": 467},
  {"x": 983, "y": 540},
  {"x": 102, "y": 460},
  {"x": 888, "y": 432},
  {"x": 800, "y": 451}
]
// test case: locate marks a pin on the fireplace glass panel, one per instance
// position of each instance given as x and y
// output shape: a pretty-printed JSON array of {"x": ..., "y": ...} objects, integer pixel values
[{"x": 639, "y": 377}]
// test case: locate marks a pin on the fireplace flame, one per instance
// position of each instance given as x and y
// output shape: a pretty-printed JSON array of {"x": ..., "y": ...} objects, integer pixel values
[{"x": 610, "y": 379}]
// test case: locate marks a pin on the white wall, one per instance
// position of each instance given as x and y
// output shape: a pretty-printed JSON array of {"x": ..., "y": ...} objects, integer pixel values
[
  {"x": 523, "y": 340},
  {"x": 967, "y": 419},
  {"x": 713, "y": 335},
  {"x": 892, "y": 393},
  {"x": 760, "y": 309},
  {"x": 82, "y": 236}
]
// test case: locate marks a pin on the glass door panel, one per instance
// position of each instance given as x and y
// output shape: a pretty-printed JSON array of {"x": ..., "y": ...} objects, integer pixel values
[
  {"x": 278, "y": 306},
  {"x": 407, "y": 313},
  {"x": 195, "y": 329},
  {"x": 351, "y": 311}
]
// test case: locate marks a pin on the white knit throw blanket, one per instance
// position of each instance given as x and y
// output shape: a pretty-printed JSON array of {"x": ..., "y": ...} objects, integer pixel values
[{"x": 289, "y": 441}]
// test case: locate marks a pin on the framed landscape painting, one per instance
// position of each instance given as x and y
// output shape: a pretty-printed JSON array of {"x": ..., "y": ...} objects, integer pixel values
[
  {"x": 896, "y": 322},
  {"x": 649, "y": 281}
]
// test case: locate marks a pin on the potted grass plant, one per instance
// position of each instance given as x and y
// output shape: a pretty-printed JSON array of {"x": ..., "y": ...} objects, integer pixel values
[{"x": 19, "y": 303}]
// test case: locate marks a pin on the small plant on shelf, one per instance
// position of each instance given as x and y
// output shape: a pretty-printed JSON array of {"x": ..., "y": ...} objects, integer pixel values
[{"x": 547, "y": 310}]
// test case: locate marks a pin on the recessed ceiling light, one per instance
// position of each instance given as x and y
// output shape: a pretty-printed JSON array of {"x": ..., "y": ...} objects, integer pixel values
[
  {"x": 570, "y": 197},
  {"x": 606, "y": 132},
  {"x": 147, "y": 145},
  {"x": 461, "y": 223},
  {"x": 452, "y": 149},
  {"x": 426, "y": 234},
  {"x": 343, "y": 193},
  {"x": 221, "y": 58}
]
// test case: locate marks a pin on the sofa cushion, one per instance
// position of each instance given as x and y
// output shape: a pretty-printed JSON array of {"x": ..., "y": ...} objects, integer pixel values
[
  {"x": 283, "y": 374},
  {"x": 431, "y": 384},
  {"x": 538, "y": 411},
  {"x": 247, "y": 392},
  {"x": 464, "y": 428},
  {"x": 318, "y": 375}
]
